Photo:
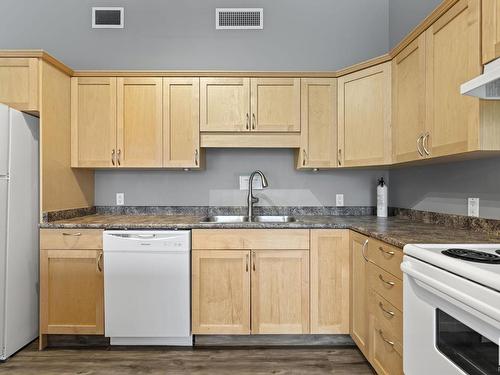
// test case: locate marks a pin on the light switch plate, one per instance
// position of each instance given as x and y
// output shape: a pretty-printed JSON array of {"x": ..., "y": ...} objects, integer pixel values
[
  {"x": 120, "y": 199},
  {"x": 473, "y": 207},
  {"x": 256, "y": 184},
  {"x": 339, "y": 199}
]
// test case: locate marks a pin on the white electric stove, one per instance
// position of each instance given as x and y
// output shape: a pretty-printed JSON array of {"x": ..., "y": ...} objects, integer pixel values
[{"x": 451, "y": 309}]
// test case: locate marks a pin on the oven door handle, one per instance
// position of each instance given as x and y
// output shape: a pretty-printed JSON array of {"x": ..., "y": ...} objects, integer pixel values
[{"x": 451, "y": 292}]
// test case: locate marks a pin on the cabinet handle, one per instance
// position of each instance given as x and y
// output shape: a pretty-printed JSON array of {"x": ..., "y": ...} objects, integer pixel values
[
  {"x": 381, "y": 333},
  {"x": 113, "y": 157},
  {"x": 304, "y": 157},
  {"x": 196, "y": 157},
  {"x": 388, "y": 253},
  {"x": 253, "y": 120},
  {"x": 248, "y": 121},
  {"x": 381, "y": 306},
  {"x": 118, "y": 154},
  {"x": 418, "y": 145},
  {"x": 390, "y": 283},
  {"x": 364, "y": 249},
  {"x": 425, "y": 144},
  {"x": 253, "y": 261},
  {"x": 99, "y": 258},
  {"x": 339, "y": 159},
  {"x": 247, "y": 260},
  {"x": 72, "y": 234}
]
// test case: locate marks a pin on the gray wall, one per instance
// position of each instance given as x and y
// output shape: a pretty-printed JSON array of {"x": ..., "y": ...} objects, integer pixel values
[
  {"x": 219, "y": 183},
  {"x": 446, "y": 187},
  {"x": 404, "y": 15},
  {"x": 180, "y": 34}
]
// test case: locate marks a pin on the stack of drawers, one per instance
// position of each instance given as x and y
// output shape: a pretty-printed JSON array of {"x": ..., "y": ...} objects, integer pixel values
[{"x": 385, "y": 305}]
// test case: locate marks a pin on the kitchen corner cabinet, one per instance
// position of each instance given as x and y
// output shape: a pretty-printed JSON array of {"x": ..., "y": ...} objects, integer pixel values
[
  {"x": 181, "y": 122},
  {"x": 364, "y": 116},
  {"x": 71, "y": 282},
  {"x": 408, "y": 103},
  {"x": 139, "y": 122},
  {"x": 330, "y": 273},
  {"x": 19, "y": 83},
  {"x": 93, "y": 122},
  {"x": 359, "y": 329},
  {"x": 490, "y": 30},
  {"x": 319, "y": 123}
]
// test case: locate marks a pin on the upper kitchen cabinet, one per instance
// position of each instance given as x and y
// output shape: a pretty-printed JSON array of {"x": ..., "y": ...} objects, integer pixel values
[
  {"x": 139, "y": 122},
  {"x": 408, "y": 102},
  {"x": 275, "y": 104},
  {"x": 19, "y": 83},
  {"x": 490, "y": 30},
  {"x": 93, "y": 122},
  {"x": 225, "y": 104},
  {"x": 181, "y": 122},
  {"x": 457, "y": 123},
  {"x": 364, "y": 116},
  {"x": 319, "y": 123}
]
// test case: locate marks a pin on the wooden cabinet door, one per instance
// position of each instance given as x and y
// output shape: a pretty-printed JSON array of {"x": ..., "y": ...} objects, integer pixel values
[
  {"x": 275, "y": 104},
  {"x": 280, "y": 291},
  {"x": 139, "y": 109},
  {"x": 490, "y": 30},
  {"x": 224, "y": 104},
  {"x": 93, "y": 122},
  {"x": 19, "y": 83},
  {"x": 408, "y": 102},
  {"x": 319, "y": 123},
  {"x": 330, "y": 281},
  {"x": 221, "y": 292},
  {"x": 359, "y": 295},
  {"x": 452, "y": 58},
  {"x": 364, "y": 115},
  {"x": 71, "y": 292},
  {"x": 181, "y": 122}
]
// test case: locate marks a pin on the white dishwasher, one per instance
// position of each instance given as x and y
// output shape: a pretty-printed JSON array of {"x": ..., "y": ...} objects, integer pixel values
[{"x": 147, "y": 287}]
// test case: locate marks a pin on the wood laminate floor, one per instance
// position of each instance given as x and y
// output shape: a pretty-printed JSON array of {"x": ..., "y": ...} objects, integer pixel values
[{"x": 124, "y": 361}]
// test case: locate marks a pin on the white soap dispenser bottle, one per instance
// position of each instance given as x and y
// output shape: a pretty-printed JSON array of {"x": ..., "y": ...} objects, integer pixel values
[{"x": 381, "y": 198}]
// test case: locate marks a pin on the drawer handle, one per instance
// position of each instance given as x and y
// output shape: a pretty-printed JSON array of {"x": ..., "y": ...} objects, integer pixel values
[
  {"x": 390, "y": 313},
  {"x": 381, "y": 333},
  {"x": 388, "y": 253},
  {"x": 72, "y": 234},
  {"x": 363, "y": 249},
  {"x": 390, "y": 283},
  {"x": 99, "y": 258}
]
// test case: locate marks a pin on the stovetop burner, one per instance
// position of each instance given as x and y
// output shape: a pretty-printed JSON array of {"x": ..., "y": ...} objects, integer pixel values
[{"x": 473, "y": 255}]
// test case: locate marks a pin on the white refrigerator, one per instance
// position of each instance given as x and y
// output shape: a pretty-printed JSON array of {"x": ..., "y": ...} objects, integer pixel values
[{"x": 19, "y": 239}]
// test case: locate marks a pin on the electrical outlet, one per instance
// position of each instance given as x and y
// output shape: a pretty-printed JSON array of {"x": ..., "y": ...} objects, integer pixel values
[
  {"x": 473, "y": 207},
  {"x": 256, "y": 184},
  {"x": 120, "y": 199},
  {"x": 339, "y": 199}
]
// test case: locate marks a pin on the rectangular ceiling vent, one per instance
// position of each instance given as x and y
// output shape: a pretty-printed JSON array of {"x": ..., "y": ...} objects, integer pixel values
[
  {"x": 239, "y": 18},
  {"x": 107, "y": 18}
]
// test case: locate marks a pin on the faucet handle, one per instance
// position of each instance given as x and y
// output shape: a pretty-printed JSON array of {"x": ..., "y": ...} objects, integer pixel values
[{"x": 255, "y": 199}]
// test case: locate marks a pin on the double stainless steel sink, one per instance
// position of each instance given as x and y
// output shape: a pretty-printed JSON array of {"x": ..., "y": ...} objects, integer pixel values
[{"x": 246, "y": 219}]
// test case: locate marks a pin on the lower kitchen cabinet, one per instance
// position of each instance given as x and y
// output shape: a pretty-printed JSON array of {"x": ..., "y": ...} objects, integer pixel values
[
  {"x": 221, "y": 292},
  {"x": 330, "y": 281},
  {"x": 71, "y": 292},
  {"x": 359, "y": 295},
  {"x": 280, "y": 291}
]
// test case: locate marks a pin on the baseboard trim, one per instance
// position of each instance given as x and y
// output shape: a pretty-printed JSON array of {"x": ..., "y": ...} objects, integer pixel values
[{"x": 272, "y": 340}]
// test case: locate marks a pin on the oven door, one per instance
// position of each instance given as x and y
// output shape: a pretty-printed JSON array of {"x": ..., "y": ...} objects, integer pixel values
[{"x": 451, "y": 325}]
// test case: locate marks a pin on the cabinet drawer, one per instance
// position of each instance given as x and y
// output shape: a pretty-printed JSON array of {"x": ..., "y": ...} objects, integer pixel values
[
  {"x": 250, "y": 239},
  {"x": 386, "y": 313},
  {"x": 386, "y": 350},
  {"x": 386, "y": 256},
  {"x": 385, "y": 284},
  {"x": 67, "y": 239}
]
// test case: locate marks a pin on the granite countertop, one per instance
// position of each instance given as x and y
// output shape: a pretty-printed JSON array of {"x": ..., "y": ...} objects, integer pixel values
[{"x": 393, "y": 230}]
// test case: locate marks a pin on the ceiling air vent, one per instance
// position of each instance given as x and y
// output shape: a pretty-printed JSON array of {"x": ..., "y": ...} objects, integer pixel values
[
  {"x": 107, "y": 18},
  {"x": 239, "y": 18}
]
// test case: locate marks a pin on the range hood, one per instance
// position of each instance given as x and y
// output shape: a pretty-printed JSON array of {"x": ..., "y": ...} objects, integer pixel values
[{"x": 487, "y": 85}]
